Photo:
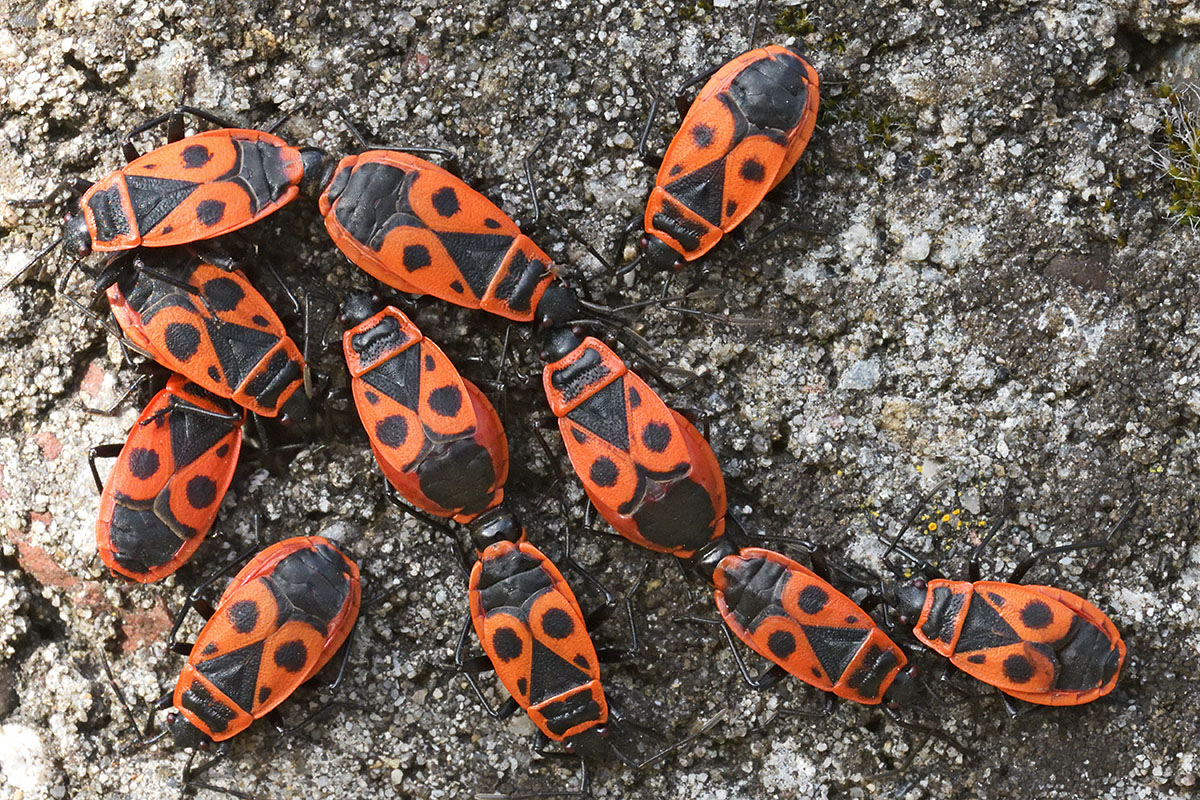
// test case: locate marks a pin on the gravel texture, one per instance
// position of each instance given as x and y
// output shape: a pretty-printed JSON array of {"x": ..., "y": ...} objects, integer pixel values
[{"x": 984, "y": 284}]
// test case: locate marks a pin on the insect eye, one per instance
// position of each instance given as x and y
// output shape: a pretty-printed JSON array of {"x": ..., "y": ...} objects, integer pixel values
[{"x": 643, "y": 243}]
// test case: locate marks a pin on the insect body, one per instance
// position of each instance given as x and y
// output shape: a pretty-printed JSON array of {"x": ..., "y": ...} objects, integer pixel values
[
  {"x": 420, "y": 229},
  {"x": 1036, "y": 643},
  {"x": 200, "y": 187},
  {"x": 434, "y": 434},
  {"x": 163, "y": 494},
  {"x": 791, "y": 616},
  {"x": 284, "y": 616},
  {"x": 210, "y": 325},
  {"x": 647, "y": 469},
  {"x": 743, "y": 133},
  {"x": 534, "y": 633}
]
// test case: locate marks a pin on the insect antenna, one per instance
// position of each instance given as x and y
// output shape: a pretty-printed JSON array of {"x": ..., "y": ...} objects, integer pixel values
[{"x": 32, "y": 263}]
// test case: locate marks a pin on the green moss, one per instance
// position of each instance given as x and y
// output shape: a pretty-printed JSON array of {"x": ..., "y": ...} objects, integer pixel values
[
  {"x": 1179, "y": 159},
  {"x": 880, "y": 130},
  {"x": 840, "y": 107},
  {"x": 693, "y": 10},
  {"x": 794, "y": 21}
]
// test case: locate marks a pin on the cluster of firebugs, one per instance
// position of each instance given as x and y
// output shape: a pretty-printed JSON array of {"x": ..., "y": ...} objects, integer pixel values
[{"x": 438, "y": 440}]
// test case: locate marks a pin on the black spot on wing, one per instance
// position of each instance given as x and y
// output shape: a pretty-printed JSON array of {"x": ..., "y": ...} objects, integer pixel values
[
  {"x": 210, "y": 212},
  {"x": 182, "y": 340},
  {"x": 445, "y": 201},
  {"x": 415, "y": 257},
  {"x": 1018, "y": 669},
  {"x": 781, "y": 644},
  {"x": 392, "y": 431},
  {"x": 446, "y": 401},
  {"x": 223, "y": 294},
  {"x": 196, "y": 155},
  {"x": 603, "y": 472},
  {"x": 812, "y": 599},
  {"x": 753, "y": 171},
  {"x": 243, "y": 615},
  {"x": 201, "y": 491},
  {"x": 557, "y": 623},
  {"x": 657, "y": 437},
  {"x": 291, "y": 656},
  {"x": 143, "y": 463},
  {"x": 507, "y": 644},
  {"x": 1037, "y": 615}
]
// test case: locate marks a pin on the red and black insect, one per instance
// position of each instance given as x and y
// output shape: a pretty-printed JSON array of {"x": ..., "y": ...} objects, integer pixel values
[
  {"x": 284, "y": 616},
  {"x": 210, "y": 325},
  {"x": 436, "y": 436},
  {"x": 742, "y": 135},
  {"x": 534, "y": 633},
  {"x": 796, "y": 619},
  {"x": 162, "y": 495},
  {"x": 1036, "y": 643},
  {"x": 645, "y": 467},
  {"x": 536, "y": 638},
  {"x": 191, "y": 189},
  {"x": 420, "y": 229}
]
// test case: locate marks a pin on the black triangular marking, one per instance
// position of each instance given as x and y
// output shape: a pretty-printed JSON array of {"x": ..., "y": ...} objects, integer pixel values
[
  {"x": 478, "y": 256},
  {"x": 604, "y": 415},
  {"x": 154, "y": 198},
  {"x": 702, "y": 190},
  {"x": 984, "y": 628},
  {"x": 238, "y": 348},
  {"x": 193, "y": 434},
  {"x": 399, "y": 377},
  {"x": 835, "y": 648},
  {"x": 235, "y": 673},
  {"x": 551, "y": 674}
]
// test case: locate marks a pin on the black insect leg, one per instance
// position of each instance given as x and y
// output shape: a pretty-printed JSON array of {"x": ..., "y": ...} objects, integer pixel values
[
  {"x": 190, "y": 774},
  {"x": 541, "y": 747},
  {"x": 451, "y": 165},
  {"x": 768, "y": 678},
  {"x": 111, "y": 450},
  {"x": 203, "y": 607},
  {"x": 283, "y": 730},
  {"x": 74, "y": 187},
  {"x": 471, "y": 667},
  {"x": 1033, "y": 558},
  {"x": 934, "y": 732},
  {"x": 175, "y": 130}
]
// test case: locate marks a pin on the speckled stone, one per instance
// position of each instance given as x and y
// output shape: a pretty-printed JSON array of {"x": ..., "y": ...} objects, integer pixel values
[{"x": 980, "y": 284}]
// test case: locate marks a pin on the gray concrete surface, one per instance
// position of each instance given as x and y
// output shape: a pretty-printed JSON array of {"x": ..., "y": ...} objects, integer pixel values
[{"x": 986, "y": 285}]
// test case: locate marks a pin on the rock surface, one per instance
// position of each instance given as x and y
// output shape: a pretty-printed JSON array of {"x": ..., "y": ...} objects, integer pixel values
[{"x": 983, "y": 284}]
